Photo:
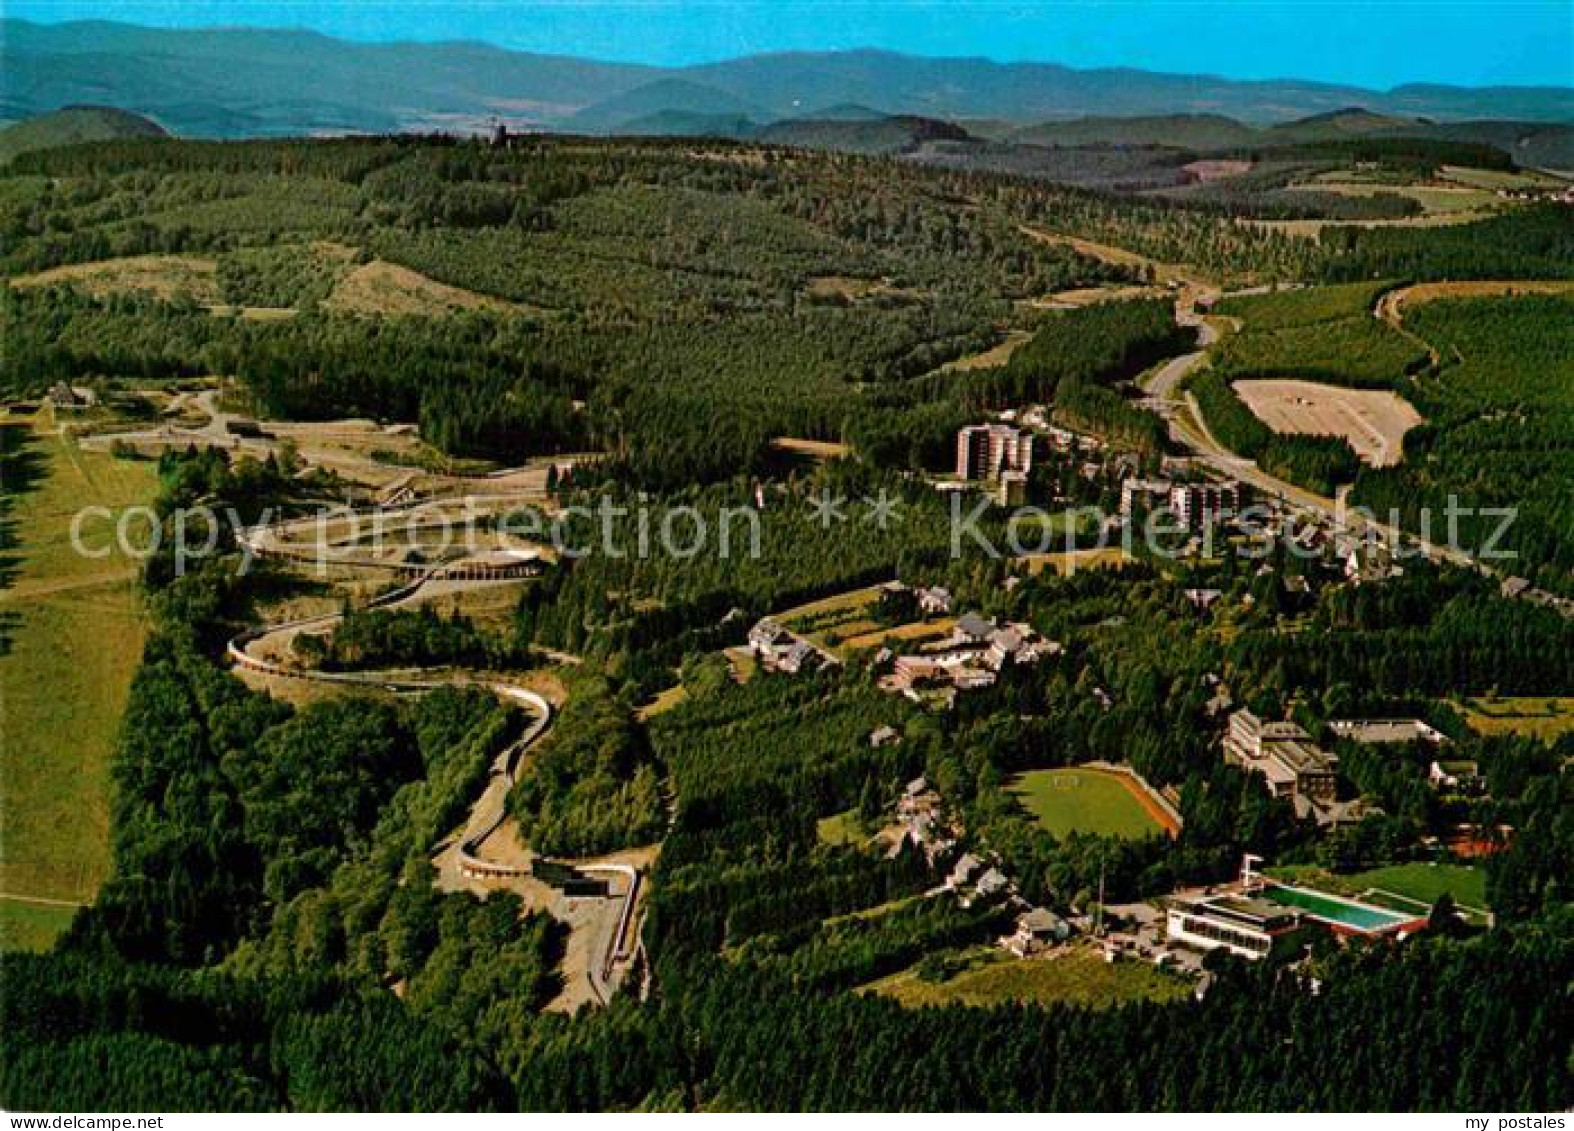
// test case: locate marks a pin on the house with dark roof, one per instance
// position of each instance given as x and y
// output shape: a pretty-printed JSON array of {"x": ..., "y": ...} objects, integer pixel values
[{"x": 971, "y": 629}]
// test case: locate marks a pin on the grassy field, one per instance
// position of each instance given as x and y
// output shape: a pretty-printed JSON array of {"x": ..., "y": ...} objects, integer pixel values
[
  {"x": 1496, "y": 178},
  {"x": 663, "y": 702},
  {"x": 1435, "y": 199},
  {"x": 1065, "y": 563},
  {"x": 878, "y": 911},
  {"x": 901, "y": 636},
  {"x": 1421, "y": 882},
  {"x": 743, "y": 664},
  {"x": 73, "y": 630},
  {"x": 1107, "y": 253},
  {"x": 840, "y": 829},
  {"x": 838, "y": 608},
  {"x": 32, "y": 926},
  {"x": 1542, "y": 717},
  {"x": 387, "y": 288},
  {"x": 995, "y": 355},
  {"x": 832, "y": 621},
  {"x": 1427, "y": 882},
  {"x": 165, "y": 276},
  {"x": 1072, "y": 976},
  {"x": 818, "y": 451},
  {"x": 1065, "y": 801},
  {"x": 844, "y": 624},
  {"x": 1313, "y": 229}
]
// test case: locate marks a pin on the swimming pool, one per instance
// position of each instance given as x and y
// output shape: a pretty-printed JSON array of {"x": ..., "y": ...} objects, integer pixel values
[{"x": 1332, "y": 909}]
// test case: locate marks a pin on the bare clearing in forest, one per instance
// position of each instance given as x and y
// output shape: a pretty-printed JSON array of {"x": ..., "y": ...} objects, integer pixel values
[
  {"x": 379, "y": 287},
  {"x": 163, "y": 276},
  {"x": 1374, "y": 421}
]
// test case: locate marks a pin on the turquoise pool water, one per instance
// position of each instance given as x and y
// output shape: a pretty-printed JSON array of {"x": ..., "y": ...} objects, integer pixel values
[{"x": 1336, "y": 910}]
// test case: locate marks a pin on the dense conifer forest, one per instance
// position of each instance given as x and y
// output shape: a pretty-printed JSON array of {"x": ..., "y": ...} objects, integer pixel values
[{"x": 270, "y": 936}]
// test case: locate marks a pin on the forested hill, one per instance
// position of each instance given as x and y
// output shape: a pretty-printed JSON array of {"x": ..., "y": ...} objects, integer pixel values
[
  {"x": 693, "y": 303},
  {"x": 1538, "y": 144},
  {"x": 72, "y": 126},
  {"x": 677, "y": 306},
  {"x": 231, "y": 81}
]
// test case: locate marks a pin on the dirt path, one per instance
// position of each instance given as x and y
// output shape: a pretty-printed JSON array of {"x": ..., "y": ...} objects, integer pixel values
[
  {"x": 1391, "y": 304},
  {"x": 1390, "y": 307},
  {"x": 42, "y": 901},
  {"x": 1164, "y": 273}
]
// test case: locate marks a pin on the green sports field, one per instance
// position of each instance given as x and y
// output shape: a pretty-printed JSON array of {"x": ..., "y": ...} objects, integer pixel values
[{"x": 1080, "y": 800}]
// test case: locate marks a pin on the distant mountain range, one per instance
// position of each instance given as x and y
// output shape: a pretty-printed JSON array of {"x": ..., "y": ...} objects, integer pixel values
[
  {"x": 1541, "y": 144},
  {"x": 242, "y": 82}
]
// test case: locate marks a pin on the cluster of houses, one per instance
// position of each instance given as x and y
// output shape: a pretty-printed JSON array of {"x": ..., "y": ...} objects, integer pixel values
[
  {"x": 1253, "y": 917},
  {"x": 1386, "y": 731},
  {"x": 998, "y": 454},
  {"x": 971, "y": 657},
  {"x": 971, "y": 878},
  {"x": 999, "y": 457},
  {"x": 1364, "y": 560},
  {"x": 1456, "y": 777},
  {"x": 1035, "y": 930},
  {"x": 779, "y": 650},
  {"x": 1558, "y": 195},
  {"x": 974, "y": 879},
  {"x": 62, "y": 395}
]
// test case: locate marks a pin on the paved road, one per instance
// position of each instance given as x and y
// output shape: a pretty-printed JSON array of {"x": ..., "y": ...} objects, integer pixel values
[{"x": 1189, "y": 430}]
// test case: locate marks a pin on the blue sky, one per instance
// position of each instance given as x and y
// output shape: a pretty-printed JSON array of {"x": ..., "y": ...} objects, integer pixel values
[{"x": 1377, "y": 43}]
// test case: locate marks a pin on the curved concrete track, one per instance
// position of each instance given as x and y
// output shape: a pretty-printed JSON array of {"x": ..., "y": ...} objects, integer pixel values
[
  {"x": 477, "y": 857},
  {"x": 490, "y": 807}
]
